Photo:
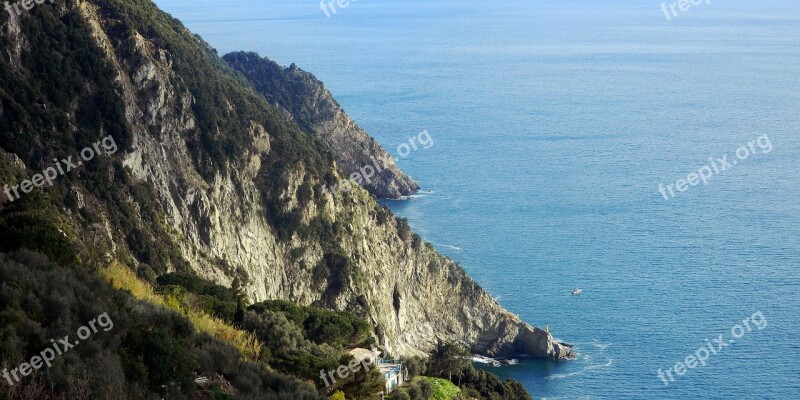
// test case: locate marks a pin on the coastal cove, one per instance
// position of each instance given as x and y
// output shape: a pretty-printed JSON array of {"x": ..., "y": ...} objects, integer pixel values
[{"x": 554, "y": 126}]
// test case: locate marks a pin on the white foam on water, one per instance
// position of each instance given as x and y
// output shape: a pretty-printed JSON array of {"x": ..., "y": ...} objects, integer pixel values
[{"x": 586, "y": 369}]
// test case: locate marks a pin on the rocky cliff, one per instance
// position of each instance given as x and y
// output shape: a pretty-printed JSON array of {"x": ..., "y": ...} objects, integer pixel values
[
  {"x": 211, "y": 177},
  {"x": 307, "y": 102}
]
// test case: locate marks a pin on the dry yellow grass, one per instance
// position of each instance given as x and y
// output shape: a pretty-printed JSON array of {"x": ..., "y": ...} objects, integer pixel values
[{"x": 121, "y": 277}]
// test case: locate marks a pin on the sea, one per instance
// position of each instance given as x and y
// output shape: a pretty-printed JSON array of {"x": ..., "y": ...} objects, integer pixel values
[{"x": 646, "y": 152}]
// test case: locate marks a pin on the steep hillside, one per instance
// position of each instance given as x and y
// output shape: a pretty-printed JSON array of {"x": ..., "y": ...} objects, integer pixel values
[
  {"x": 136, "y": 351},
  {"x": 207, "y": 176},
  {"x": 307, "y": 102}
]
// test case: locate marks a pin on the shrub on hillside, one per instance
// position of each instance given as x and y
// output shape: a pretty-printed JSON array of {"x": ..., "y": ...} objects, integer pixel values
[{"x": 148, "y": 353}]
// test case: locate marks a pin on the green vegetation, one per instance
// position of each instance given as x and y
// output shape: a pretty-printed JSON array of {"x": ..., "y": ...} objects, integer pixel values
[
  {"x": 192, "y": 291},
  {"x": 167, "y": 356},
  {"x": 122, "y": 278},
  {"x": 293, "y": 339},
  {"x": 320, "y": 325},
  {"x": 31, "y": 223},
  {"x": 290, "y": 87},
  {"x": 304, "y": 340},
  {"x": 427, "y": 388},
  {"x": 442, "y": 388},
  {"x": 151, "y": 352}
]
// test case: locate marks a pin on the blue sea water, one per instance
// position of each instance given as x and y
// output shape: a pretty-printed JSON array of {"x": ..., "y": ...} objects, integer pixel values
[{"x": 554, "y": 123}]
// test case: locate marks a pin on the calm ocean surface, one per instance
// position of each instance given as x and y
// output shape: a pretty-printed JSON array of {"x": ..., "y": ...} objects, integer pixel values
[{"x": 554, "y": 123}]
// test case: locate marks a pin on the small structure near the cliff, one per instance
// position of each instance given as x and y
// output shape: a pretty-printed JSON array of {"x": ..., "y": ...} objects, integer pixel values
[{"x": 393, "y": 371}]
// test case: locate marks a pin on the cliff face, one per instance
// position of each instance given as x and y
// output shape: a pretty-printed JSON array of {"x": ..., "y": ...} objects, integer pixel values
[
  {"x": 233, "y": 183},
  {"x": 306, "y": 101}
]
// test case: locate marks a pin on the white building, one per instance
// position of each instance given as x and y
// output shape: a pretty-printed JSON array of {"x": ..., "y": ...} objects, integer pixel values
[{"x": 393, "y": 371}]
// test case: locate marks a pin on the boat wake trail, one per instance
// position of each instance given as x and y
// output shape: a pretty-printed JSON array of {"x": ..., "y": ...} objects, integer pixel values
[
  {"x": 588, "y": 368},
  {"x": 448, "y": 246}
]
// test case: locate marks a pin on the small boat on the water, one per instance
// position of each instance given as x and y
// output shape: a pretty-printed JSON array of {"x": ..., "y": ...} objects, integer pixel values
[
  {"x": 576, "y": 292},
  {"x": 512, "y": 361}
]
